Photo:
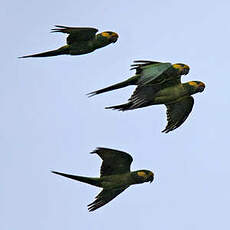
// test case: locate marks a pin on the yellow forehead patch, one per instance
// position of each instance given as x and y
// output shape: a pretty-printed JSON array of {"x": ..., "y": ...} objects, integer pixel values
[
  {"x": 176, "y": 66},
  {"x": 186, "y": 67},
  {"x": 114, "y": 34},
  {"x": 180, "y": 67},
  {"x": 141, "y": 173},
  {"x": 192, "y": 83},
  {"x": 105, "y": 34}
]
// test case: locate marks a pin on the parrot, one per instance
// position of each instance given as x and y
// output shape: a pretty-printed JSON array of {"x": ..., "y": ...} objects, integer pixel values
[
  {"x": 80, "y": 40},
  {"x": 159, "y": 83},
  {"x": 115, "y": 176}
]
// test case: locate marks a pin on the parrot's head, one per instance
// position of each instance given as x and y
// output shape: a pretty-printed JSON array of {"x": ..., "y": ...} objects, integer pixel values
[
  {"x": 111, "y": 36},
  {"x": 196, "y": 86},
  {"x": 142, "y": 176},
  {"x": 182, "y": 69}
]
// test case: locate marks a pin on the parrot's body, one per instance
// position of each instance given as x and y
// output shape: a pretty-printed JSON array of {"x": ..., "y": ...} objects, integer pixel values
[
  {"x": 159, "y": 83},
  {"x": 81, "y": 40},
  {"x": 115, "y": 176}
]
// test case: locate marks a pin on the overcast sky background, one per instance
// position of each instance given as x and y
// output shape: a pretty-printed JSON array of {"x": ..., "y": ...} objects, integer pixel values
[{"x": 48, "y": 123}]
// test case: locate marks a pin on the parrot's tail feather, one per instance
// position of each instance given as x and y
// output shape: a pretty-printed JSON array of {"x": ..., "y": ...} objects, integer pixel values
[
  {"x": 122, "y": 107},
  {"x": 130, "y": 81},
  {"x": 56, "y": 52},
  {"x": 88, "y": 180}
]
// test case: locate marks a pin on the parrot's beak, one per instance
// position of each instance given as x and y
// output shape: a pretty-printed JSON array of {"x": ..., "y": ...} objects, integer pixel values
[
  {"x": 151, "y": 178},
  {"x": 114, "y": 38}
]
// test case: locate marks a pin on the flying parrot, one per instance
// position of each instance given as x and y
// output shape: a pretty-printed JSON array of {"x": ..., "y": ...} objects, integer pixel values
[
  {"x": 115, "y": 176},
  {"x": 80, "y": 40},
  {"x": 159, "y": 83}
]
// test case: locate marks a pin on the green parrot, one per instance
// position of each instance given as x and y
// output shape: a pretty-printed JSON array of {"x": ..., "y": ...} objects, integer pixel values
[
  {"x": 159, "y": 83},
  {"x": 81, "y": 40},
  {"x": 115, "y": 176}
]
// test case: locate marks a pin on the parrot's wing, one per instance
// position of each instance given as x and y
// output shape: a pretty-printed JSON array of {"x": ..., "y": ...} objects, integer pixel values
[
  {"x": 77, "y": 34},
  {"x": 178, "y": 112},
  {"x": 151, "y": 72},
  {"x": 114, "y": 161},
  {"x": 105, "y": 196},
  {"x": 143, "y": 95}
]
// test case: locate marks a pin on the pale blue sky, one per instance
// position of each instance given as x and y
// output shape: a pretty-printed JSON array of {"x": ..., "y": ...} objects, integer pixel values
[{"x": 48, "y": 123}]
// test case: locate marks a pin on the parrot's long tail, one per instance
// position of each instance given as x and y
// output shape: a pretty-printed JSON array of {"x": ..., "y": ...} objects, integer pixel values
[
  {"x": 60, "y": 51},
  {"x": 130, "y": 81},
  {"x": 88, "y": 180},
  {"x": 122, "y": 107}
]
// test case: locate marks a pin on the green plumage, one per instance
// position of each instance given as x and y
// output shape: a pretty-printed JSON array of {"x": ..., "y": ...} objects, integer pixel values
[
  {"x": 159, "y": 83},
  {"x": 80, "y": 40},
  {"x": 147, "y": 72},
  {"x": 115, "y": 176}
]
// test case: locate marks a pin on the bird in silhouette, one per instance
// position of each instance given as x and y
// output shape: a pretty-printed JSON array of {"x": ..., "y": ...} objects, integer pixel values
[
  {"x": 115, "y": 176},
  {"x": 80, "y": 40},
  {"x": 159, "y": 83}
]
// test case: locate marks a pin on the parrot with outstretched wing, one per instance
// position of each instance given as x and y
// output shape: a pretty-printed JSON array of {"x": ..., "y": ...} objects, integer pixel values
[
  {"x": 80, "y": 40},
  {"x": 159, "y": 83},
  {"x": 115, "y": 176}
]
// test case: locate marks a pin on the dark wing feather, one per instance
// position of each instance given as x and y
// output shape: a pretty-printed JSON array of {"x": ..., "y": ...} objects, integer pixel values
[
  {"x": 114, "y": 161},
  {"x": 138, "y": 64},
  {"x": 178, "y": 112},
  {"x": 76, "y": 34},
  {"x": 105, "y": 196},
  {"x": 151, "y": 72},
  {"x": 143, "y": 96}
]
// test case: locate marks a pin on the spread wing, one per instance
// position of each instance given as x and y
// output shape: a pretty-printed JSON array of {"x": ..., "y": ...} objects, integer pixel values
[
  {"x": 105, "y": 196},
  {"x": 178, "y": 112},
  {"x": 114, "y": 161},
  {"x": 143, "y": 96},
  {"x": 76, "y": 34},
  {"x": 151, "y": 72}
]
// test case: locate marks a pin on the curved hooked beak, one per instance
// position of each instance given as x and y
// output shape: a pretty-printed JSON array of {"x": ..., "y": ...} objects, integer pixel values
[
  {"x": 151, "y": 178},
  {"x": 201, "y": 87},
  {"x": 114, "y": 38},
  {"x": 185, "y": 71}
]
